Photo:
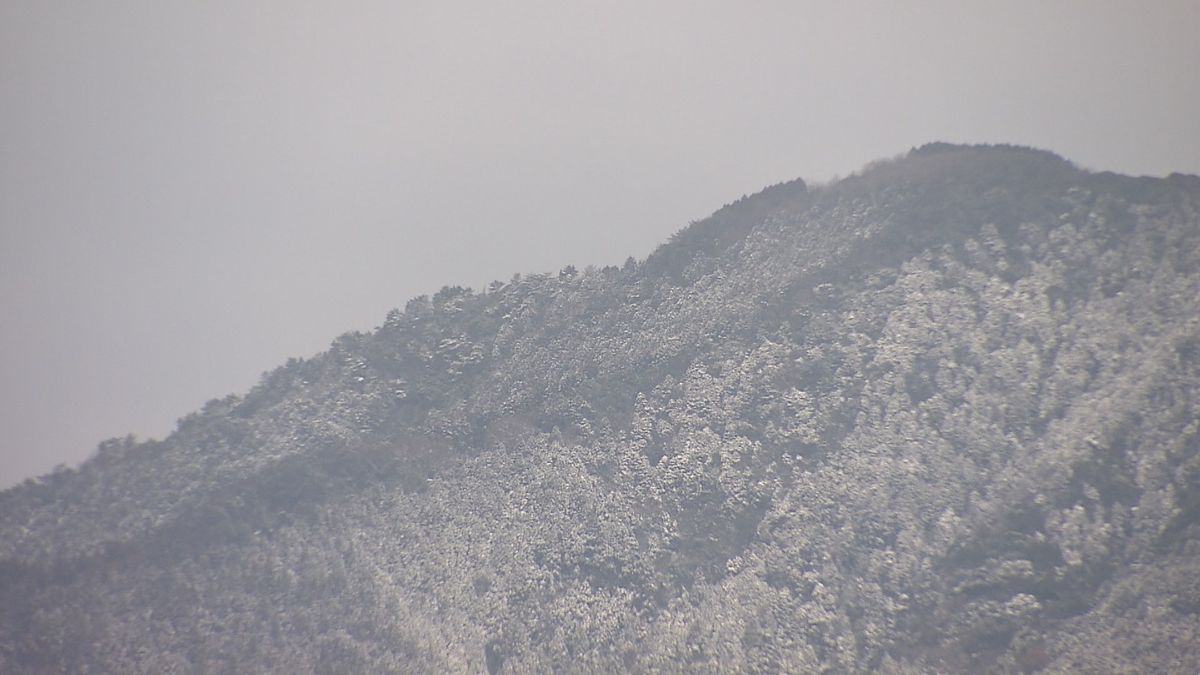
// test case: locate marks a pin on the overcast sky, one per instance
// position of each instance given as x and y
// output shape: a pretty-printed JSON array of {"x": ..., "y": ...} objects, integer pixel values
[{"x": 192, "y": 192}]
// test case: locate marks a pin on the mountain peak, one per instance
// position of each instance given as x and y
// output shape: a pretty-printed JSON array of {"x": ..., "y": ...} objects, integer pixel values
[
  {"x": 939, "y": 416},
  {"x": 979, "y": 149}
]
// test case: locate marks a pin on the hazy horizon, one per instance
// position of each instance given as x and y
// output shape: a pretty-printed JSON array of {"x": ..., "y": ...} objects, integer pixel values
[{"x": 191, "y": 195}]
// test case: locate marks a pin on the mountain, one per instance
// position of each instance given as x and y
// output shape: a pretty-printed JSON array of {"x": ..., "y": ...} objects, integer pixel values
[{"x": 940, "y": 416}]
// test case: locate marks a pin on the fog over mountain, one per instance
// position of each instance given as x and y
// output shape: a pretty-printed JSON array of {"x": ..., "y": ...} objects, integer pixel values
[
  {"x": 940, "y": 416},
  {"x": 192, "y": 192}
]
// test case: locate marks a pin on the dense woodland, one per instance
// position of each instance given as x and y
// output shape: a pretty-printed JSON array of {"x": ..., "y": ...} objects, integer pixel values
[{"x": 939, "y": 416}]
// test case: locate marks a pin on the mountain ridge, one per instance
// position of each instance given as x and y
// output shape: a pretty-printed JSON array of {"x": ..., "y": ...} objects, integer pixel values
[{"x": 938, "y": 414}]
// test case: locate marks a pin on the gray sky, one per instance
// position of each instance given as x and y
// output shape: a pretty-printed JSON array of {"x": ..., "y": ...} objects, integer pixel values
[{"x": 190, "y": 193}]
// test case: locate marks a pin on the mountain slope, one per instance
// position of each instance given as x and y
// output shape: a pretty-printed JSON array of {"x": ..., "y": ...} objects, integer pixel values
[{"x": 941, "y": 415}]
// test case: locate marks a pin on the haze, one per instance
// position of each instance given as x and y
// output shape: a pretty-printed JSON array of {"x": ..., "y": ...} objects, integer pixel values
[{"x": 192, "y": 193}]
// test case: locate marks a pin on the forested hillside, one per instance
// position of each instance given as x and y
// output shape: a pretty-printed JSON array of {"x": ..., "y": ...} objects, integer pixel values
[{"x": 940, "y": 416}]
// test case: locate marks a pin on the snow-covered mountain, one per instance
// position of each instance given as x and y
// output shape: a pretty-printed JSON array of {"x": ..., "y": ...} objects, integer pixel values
[{"x": 940, "y": 416}]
